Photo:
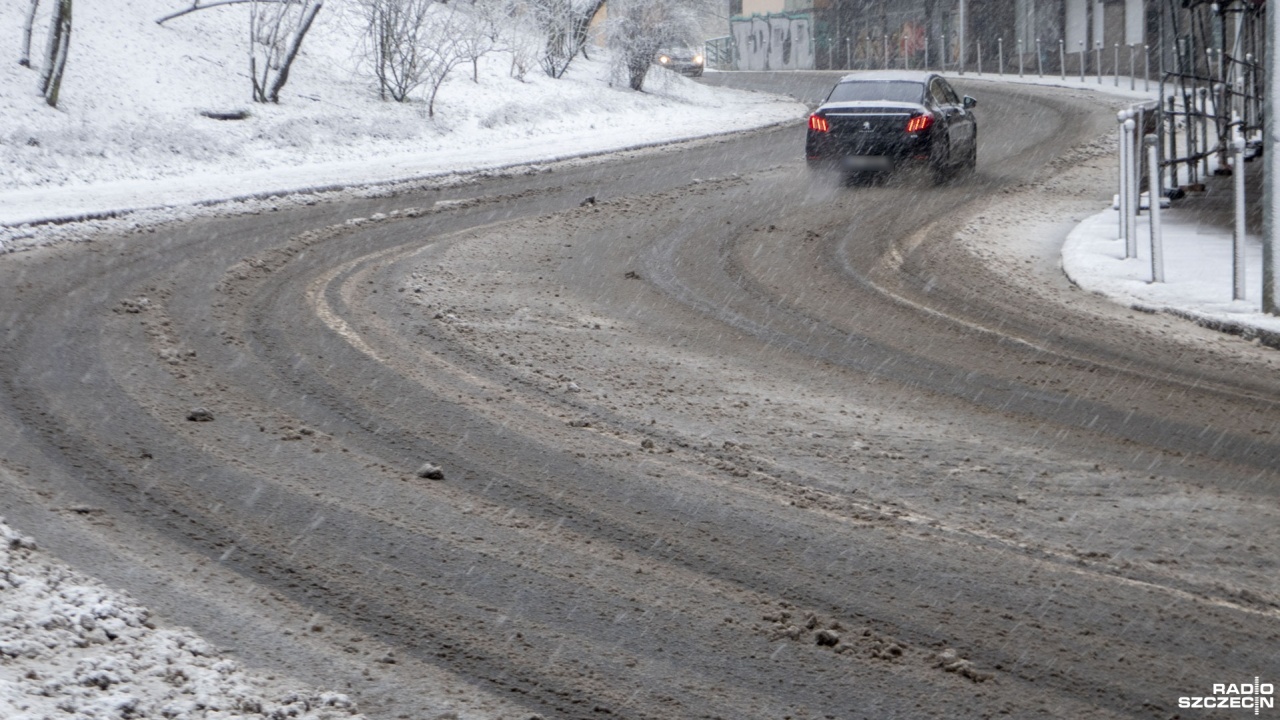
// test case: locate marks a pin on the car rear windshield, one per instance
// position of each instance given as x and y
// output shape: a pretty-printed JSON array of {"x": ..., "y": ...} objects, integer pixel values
[{"x": 890, "y": 90}]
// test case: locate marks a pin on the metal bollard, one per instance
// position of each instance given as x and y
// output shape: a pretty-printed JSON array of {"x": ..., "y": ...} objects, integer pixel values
[
  {"x": 1130, "y": 179},
  {"x": 1115, "y": 68},
  {"x": 1123, "y": 194},
  {"x": 1020, "y": 57},
  {"x": 1000, "y": 53},
  {"x": 1204, "y": 130},
  {"x": 1062, "y": 57},
  {"x": 1081, "y": 61},
  {"x": 1039, "y": 59},
  {"x": 1153, "y": 184},
  {"x": 1133, "y": 78},
  {"x": 1189, "y": 127},
  {"x": 1237, "y": 152},
  {"x": 979, "y": 57},
  {"x": 1174, "y": 180}
]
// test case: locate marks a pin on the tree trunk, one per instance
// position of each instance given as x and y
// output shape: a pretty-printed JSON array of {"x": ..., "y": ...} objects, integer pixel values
[
  {"x": 25, "y": 60},
  {"x": 56, "y": 53},
  {"x": 584, "y": 24},
  {"x": 637, "y": 69},
  {"x": 282, "y": 75}
]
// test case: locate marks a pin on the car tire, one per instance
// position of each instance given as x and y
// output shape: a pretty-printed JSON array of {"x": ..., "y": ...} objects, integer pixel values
[{"x": 940, "y": 169}]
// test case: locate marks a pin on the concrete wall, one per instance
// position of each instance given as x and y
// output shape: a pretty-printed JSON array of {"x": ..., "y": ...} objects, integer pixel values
[{"x": 763, "y": 7}]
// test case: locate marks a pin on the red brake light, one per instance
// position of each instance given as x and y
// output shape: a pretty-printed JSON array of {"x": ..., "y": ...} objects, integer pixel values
[
  {"x": 817, "y": 123},
  {"x": 919, "y": 123}
]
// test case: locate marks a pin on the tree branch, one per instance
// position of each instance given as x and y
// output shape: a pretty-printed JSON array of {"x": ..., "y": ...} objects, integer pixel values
[{"x": 197, "y": 6}]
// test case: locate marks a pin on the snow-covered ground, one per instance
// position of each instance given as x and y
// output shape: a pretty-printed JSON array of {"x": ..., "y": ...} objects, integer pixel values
[
  {"x": 71, "y": 648},
  {"x": 129, "y": 146},
  {"x": 1196, "y": 237},
  {"x": 129, "y": 131},
  {"x": 1198, "y": 271}
]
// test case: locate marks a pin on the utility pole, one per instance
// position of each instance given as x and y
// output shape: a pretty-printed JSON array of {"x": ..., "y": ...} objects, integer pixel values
[{"x": 1271, "y": 156}]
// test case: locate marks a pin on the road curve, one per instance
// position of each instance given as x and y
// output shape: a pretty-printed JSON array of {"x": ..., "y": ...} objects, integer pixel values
[{"x": 716, "y": 439}]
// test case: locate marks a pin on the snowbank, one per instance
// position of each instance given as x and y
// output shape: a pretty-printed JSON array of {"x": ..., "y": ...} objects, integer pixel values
[
  {"x": 132, "y": 130},
  {"x": 70, "y": 647}
]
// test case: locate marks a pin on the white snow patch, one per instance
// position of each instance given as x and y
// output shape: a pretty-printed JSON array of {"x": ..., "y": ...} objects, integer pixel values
[{"x": 70, "y": 647}]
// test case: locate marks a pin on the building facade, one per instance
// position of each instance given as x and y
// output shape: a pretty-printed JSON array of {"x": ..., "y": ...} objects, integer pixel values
[{"x": 1071, "y": 36}]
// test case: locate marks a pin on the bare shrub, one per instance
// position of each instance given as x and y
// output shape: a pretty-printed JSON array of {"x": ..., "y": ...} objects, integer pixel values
[
  {"x": 639, "y": 28},
  {"x": 276, "y": 31}
]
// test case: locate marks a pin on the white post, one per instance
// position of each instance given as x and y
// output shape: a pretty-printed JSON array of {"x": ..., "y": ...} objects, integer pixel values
[
  {"x": 1237, "y": 147},
  {"x": 1204, "y": 129},
  {"x": 1062, "y": 57},
  {"x": 1020, "y": 57},
  {"x": 1271, "y": 169},
  {"x": 1153, "y": 187},
  {"x": 1081, "y": 61},
  {"x": 964, "y": 21},
  {"x": 1122, "y": 196},
  {"x": 1132, "y": 153},
  {"x": 1000, "y": 53}
]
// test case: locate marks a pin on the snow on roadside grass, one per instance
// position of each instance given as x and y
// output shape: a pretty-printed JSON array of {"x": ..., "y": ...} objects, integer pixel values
[
  {"x": 129, "y": 132},
  {"x": 70, "y": 647}
]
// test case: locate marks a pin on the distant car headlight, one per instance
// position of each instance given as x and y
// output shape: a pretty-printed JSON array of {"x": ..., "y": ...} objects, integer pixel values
[
  {"x": 697, "y": 59},
  {"x": 664, "y": 59}
]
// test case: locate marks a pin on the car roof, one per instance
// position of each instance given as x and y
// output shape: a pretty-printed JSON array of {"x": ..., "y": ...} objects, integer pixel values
[{"x": 919, "y": 76}]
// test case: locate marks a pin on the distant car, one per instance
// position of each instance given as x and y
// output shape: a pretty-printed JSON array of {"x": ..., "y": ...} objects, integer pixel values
[
  {"x": 882, "y": 121},
  {"x": 683, "y": 60}
]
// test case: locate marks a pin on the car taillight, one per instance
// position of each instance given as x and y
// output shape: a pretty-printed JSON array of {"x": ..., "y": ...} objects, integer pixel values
[
  {"x": 817, "y": 123},
  {"x": 919, "y": 123}
]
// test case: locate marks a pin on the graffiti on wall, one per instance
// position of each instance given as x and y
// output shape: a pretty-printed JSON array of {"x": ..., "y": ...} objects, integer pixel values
[{"x": 773, "y": 42}]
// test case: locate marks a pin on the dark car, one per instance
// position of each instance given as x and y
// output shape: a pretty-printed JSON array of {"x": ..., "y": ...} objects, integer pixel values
[
  {"x": 878, "y": 122},
  {"x": 686, "y": 61}
]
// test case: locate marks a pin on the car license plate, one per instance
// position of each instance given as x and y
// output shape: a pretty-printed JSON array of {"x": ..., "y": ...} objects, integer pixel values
[{"x": 868, "y": 162}]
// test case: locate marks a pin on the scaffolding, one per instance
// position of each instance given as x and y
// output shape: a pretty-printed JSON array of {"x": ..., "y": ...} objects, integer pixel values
[{"x": 1211, "y": 57}]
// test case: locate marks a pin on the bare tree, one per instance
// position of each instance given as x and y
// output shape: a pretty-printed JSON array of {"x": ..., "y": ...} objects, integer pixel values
[
  {"x": 484, "y": 32},
  {"x": 525, "y": 46},
  {"x": 414, "y": 44},
  {"x": 55, "y": 54},
  {"x": 195, "y": 5},
  {"x": 639, "y": 28},
  {"x": 564, "y": 25},
  {"x": 25, "y": 59},
  {"x": 442, "y": 51},
  {"x": 396, "y": 31},
  {"x": 276, "y": 31}
]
